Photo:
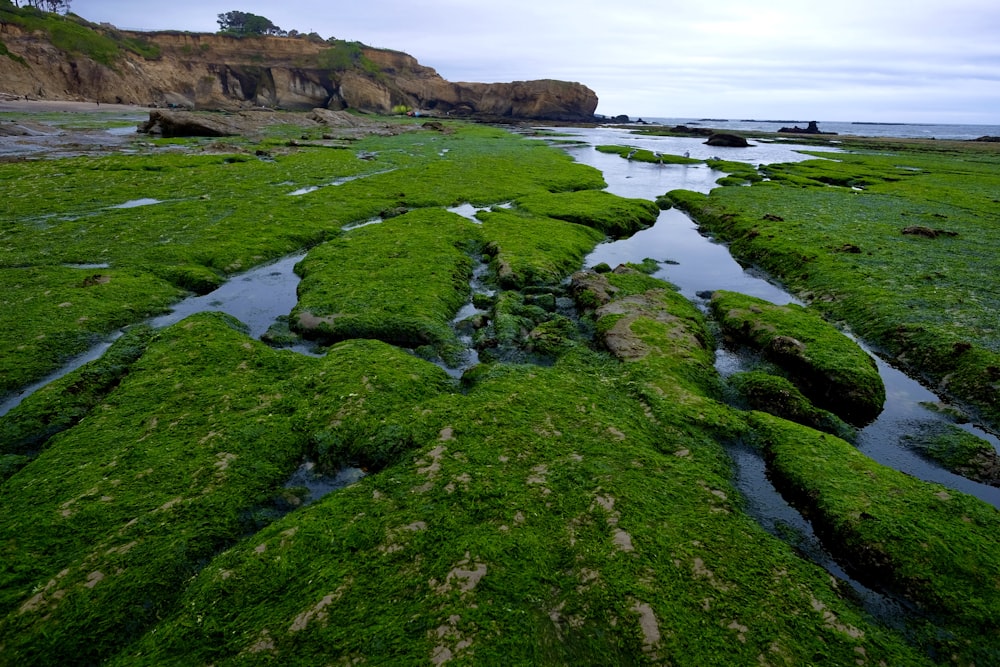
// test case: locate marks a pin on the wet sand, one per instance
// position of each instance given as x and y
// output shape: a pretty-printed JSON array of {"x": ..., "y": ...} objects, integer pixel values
[{"x": 48, "y": 106}]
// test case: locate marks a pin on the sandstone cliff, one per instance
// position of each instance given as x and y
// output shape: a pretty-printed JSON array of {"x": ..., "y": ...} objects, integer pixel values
[{"x": 210, "y": 71}]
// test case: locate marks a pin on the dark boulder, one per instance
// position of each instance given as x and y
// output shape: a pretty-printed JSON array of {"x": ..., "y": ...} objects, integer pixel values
[
  {"x": 169, "y": 124},
  {"x": 728, "y": 140}
]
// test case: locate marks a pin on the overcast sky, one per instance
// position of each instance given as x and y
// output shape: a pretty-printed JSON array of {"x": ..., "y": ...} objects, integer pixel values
[{"x": 871, "y": 60}]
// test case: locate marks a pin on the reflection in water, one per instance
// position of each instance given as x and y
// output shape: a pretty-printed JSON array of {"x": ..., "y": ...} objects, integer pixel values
[
  {"x": 256, "y": 297},
  {"x": 317, "y": 484},
  {"x": 696, "y": 264}
]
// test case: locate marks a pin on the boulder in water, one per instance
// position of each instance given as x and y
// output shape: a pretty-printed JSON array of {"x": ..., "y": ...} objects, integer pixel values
[{"x": 728, "y": 140}]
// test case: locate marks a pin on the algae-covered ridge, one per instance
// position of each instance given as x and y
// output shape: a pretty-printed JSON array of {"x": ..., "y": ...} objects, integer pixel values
[
  {"x": 570, "y": 501},
  {"x": 900, "y": 243}
]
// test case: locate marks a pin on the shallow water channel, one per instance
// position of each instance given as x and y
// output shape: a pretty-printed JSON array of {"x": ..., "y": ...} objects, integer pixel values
[
  {"x": 696, "y": 264},
  {"x": 689, "y": 260}
]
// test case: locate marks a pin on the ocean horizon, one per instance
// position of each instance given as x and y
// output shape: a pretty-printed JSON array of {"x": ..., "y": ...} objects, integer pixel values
[{"x": 854, "y": 128}]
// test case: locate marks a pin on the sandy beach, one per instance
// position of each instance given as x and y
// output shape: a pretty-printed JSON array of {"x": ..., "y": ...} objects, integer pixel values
[{"x": 8, "y": 104}]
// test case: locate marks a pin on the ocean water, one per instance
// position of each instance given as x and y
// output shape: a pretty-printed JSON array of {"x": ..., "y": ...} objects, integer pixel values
[{"x": 860, "y": 129}]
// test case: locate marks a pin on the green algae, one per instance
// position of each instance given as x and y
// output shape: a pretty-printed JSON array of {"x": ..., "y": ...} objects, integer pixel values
[
  {"x": 617, "y": 217},
  {"x": 400, "y": 281},
  {"x": 219, "y": 210},
  {"x": 578, "y": 511},
  {"x": 899, "y": 244},
  {"x": 778, "y": 396},
  {"x": 103, "y": 528},
  {"x": 539, "y": 523},
  {"x": 527, "y": 250},
  {"x": 61, "y": 404},
  {"x": 956, "y": 450},
  {"x": 740, "y": 173},
  {"x": 824, "y": 364},
  {"x": 933, "y": 545},
  {"x": 50, "y": 313}
]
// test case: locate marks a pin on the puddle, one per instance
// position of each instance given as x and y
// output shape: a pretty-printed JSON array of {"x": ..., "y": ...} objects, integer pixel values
[
  {"x": 358, "y": 225},
  {"x": 135, "y": 203},
  {"x": 469, "y": 211},
  {"x": 257, "y": 298},
  {"x": 319, "y": 485},
  {"x": 335, "y": 182},
  {"x": 460, "y": 323},
  {"x": 101, "y": 265}
]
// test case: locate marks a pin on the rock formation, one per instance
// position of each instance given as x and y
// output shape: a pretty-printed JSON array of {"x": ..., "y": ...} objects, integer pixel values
[
  {"x": 210, "y": 71},
  {"x": 728, "y": 140},
  {"x": 812, "y": 128}
]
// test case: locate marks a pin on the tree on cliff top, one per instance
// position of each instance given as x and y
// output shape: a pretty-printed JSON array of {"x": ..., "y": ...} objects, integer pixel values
[
  {"x": 46, "y": 5},
  {"x": 245, "y": 23}
]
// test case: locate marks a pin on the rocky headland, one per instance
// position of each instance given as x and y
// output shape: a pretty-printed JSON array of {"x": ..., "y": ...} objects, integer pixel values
[{"x": 215, "y": 71}]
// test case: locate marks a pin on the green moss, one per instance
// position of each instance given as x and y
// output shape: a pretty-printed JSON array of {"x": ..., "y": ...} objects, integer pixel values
[
  {"x": 833, "y": 231},
  {"x": 740, "y": 173},
  {"x": 400, "y": 281},
  {"x": 825, "y": 365},
  {"x": 216, "y": 217},
  {"x": 530, "y": 250},
  {"x": 64, "y": 402},
  {"x": 956, "y": 450},
  {"x": 779, "y": 397},
  {"x": 933, "y": 545},
  {"x": 615, "y": 216},
  {"x": 52, "y": 313},
  {"x": 540, "y": 504},
  {"x": 560, "y": 504},
  {"x": 103, "y": 529}
]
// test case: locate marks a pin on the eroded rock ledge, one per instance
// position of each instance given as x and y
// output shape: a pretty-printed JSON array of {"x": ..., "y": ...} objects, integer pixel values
[{"x": 209, "y": 71}]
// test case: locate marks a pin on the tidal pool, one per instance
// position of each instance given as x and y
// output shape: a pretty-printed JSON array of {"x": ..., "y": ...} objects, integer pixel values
[{"x": 697, "y": 265}]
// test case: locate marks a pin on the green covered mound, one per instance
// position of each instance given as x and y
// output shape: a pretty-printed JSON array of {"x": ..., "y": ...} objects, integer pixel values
[
  {"x": 825, "y": 365},
  {"x": 400, "y": 281},
  {"x": 577, "y": 509},
  {"x": 900, "y": 243},
  {"x": 777, "y": 396},
  {"x": 935, "y": 546},
  {"x": 615, "y": 216}
]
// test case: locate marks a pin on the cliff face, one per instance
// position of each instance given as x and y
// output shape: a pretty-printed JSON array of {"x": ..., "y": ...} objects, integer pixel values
[{"x": 207, "y": 71}]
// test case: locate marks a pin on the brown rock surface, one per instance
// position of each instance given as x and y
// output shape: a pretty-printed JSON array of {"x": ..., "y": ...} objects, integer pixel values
[{"x": 209, "y": 71}]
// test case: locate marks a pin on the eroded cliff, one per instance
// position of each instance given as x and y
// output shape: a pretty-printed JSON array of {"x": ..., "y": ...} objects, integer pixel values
[{"x": 211, "y": 71}]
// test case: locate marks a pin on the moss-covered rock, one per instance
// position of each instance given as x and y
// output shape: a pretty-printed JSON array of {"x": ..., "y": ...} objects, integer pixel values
[
  {"x": 957, "y": 450},
  {"x": 400, "y": 281},
  {"x": 829, "y": 368},
  {"x": 778, "y": 396},
  {"x": 527, "y": 250},
  {"x": 615, "y": 216},
  {"x": 935, "y": 546}
]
